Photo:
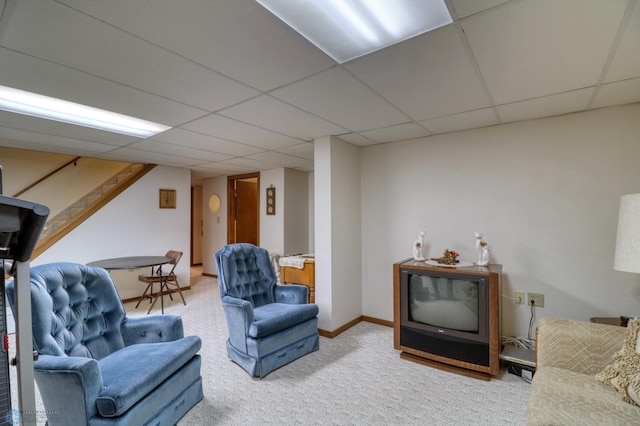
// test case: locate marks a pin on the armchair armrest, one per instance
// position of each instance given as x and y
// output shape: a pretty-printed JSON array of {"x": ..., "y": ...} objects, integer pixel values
[
  {"x": 293, "y": 294},
  {"x": 579, "y": 346},
  {"x": 69, "y": 386},
  {"x": 152, "y": 329},
  {"x": 239, "y": 315}
]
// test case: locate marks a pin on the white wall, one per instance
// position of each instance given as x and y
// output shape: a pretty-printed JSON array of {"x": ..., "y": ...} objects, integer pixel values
[
  {"x": 544, "y": 192},
  {"x": 21, "y": 167},
  {"x": 132, "y": 224},
  {"x": 283, "y": 233},
  {"x": 287, "y": 231},
  {"x": 296, "y": 211},
  {"x": 215, "y": 224},
  {"x": 312, "y": 197},
  {"x": 337, "y": 232},
  {"x": 272, "y": 227}
]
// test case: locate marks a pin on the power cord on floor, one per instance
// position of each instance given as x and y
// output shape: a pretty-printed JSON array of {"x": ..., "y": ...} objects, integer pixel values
[{"x": 519, "y": 342}]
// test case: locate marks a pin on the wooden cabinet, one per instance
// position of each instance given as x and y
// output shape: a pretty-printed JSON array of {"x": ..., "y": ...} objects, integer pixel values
[
  {"x": 448, "y": 318},
  {"x": 306, "y": 276}
]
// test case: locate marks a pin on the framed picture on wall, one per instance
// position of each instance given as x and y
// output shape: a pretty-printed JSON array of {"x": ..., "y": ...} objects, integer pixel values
[
  {"x": 167, "y": 198},
  {"x": 271, "y": 200}
]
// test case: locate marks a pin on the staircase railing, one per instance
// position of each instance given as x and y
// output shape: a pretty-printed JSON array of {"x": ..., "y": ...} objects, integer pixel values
[
  {"x": 70, "y": 218},
  {"x": 45, "y": 177}
]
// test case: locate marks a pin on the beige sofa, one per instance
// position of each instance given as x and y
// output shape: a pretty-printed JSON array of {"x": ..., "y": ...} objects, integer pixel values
[{"x": 564, "y": 390}]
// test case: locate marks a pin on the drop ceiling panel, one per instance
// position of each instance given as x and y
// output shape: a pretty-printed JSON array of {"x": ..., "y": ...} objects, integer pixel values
[
  {"x": 36, "y": 146},
  {"x": 28, "y": 73},
  {"x": 239, "y": 38},
  {"x": 462, "y": 121},
  {"x": 272, "y": 114},
  {"x": 535, "y": 48},
  {"x": 396, "y": 133},
  {"x": 177, "y": 150},
  {"x": 196, "y": 140},
  {"x": 357, "y": 139},
  {"x": 427, "y": 76},
  {"x": 226, "y": 128},
  {"x": 619, "y": 93},
  {"x": 546, "y": 106},
  {"x": 465, "y": 8},
  {"x": 626, "y": 62},
  {"x": 283, "y": 159},
  {"x": 304, "y": 150},
  {"x": 51, "y": 143},
  {"x": 149, "y": 67},
  {"x": 251, "y": 163},
  {"x": 128, "y": 154},
  {"x": 340, "y": 98}
]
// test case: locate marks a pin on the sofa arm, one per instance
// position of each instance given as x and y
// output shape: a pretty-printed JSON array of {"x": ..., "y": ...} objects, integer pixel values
[
  {"x": 239, "y": 315},
  {"x": 579, "y": 346},
  {"x": 152, "y": 329},
  {"x": 69, "y": 387},
  {"x": 292, "y": 294}
]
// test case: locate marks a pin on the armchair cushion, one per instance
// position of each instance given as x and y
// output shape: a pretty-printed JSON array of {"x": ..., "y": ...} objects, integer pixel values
[
  {"x": 274, "y": 317},
  {"x": 291, "y": 293},
  {"x": 152, "y": 329},
  {"x": 132, "y": 372}
]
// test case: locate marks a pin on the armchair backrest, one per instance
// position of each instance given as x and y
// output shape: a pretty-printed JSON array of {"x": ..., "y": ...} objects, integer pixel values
[
  {"x": 75, "y": 309},
  {"x": 246, "y": 272}
]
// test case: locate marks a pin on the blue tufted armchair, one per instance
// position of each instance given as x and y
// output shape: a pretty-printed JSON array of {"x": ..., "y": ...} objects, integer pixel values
[
  {"x": 269, "y": 324},
  {"x": 98, "y": 367}
]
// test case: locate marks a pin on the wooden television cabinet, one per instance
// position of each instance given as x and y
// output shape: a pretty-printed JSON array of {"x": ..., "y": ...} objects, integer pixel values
[{"x": 474, "y": 353}]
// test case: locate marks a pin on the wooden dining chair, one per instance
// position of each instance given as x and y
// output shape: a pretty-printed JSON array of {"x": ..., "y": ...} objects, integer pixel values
[{"x": 169, "y": 281}]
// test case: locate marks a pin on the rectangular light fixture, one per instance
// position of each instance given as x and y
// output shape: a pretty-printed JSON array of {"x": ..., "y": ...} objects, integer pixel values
[
  {"x": 347, "y": 29},
  {"x": 22, "y": 102}
]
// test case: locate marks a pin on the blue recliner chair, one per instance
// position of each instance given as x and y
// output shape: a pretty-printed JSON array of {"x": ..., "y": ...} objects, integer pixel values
[
  {"x": 269, "y": 324},
  {"x": 98, "y": 367}
]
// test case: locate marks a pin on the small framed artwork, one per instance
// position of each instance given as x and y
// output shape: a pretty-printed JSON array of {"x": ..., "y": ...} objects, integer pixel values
[
  {"x": 167, "y": 198},
  {"x": 271, "y": 200}
]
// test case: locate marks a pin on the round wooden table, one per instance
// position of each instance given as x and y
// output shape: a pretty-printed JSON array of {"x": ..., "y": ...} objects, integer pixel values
[{"x": 135, "y": 262}]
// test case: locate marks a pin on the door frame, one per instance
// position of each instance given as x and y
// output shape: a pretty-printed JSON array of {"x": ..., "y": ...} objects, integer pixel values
[{"x": 231, "y": 204}]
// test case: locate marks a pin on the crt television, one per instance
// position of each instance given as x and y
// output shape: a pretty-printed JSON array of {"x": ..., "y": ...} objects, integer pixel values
[{"x": 445, "y": 314}]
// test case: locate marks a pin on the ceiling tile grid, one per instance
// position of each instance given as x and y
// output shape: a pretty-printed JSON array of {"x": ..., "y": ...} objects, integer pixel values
[{"x": 244, "y": 92}]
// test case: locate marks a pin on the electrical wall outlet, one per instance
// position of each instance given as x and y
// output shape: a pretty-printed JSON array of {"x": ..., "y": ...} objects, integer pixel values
[
  {"x": 537, "y": 298},
  {"x": 519, "y": 299}
]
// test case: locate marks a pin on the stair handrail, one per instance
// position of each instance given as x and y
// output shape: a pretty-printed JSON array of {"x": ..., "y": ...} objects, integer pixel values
[{"x": 47, "y": 176}]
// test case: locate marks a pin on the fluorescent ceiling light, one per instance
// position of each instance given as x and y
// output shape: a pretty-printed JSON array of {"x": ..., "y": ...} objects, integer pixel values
[
  {"x": 21, "y": 102},
  {"x": 347, "y": 29}
]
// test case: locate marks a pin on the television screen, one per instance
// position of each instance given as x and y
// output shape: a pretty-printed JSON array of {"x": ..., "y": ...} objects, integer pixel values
[{"x": 444, "y": 302}]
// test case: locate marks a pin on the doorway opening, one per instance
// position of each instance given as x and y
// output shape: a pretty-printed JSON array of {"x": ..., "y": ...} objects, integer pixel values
[{"x": 243, "y": 209}]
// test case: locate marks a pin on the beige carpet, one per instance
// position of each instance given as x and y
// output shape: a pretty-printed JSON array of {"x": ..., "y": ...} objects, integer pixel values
[{"x": 356, "y": 378}]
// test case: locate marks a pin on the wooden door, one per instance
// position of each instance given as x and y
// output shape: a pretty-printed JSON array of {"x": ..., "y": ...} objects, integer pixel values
[{"x": 243, "y": 209}]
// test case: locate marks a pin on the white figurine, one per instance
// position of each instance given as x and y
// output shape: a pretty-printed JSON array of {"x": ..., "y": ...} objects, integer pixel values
[
  {"x": 483, "y": 250},
  {"x": 418, "y": 245}
]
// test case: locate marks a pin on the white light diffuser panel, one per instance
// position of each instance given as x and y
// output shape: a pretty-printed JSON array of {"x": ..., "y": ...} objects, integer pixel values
[
  {"x": 22, "y": 102},
  {"x": 347, "y": 29}
]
